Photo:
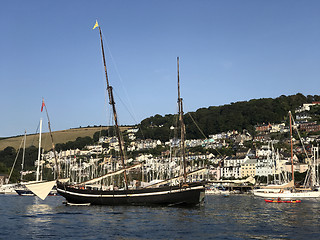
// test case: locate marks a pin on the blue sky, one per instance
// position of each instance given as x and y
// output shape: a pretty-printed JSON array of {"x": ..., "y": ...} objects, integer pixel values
[{"x": 229, "y": 51}]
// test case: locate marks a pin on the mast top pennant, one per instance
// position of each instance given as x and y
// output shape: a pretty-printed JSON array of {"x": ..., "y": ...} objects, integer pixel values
[
  {"x": 96, "y": 25},
  {"x": 42, "y": 105}
]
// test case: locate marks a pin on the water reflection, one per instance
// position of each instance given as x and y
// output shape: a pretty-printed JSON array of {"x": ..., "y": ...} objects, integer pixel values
[
  {"x": 251, "y": 217},
  {"x": 234, "y": 217},
  {"x": 39, "y": 209}
]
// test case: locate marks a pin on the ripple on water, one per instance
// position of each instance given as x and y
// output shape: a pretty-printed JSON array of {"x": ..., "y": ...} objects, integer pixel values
[{"x": 234, "y": 217}]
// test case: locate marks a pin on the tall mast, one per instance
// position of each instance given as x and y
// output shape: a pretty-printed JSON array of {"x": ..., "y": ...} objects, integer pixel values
[
  {"x": 52, "y": 142},
  {"x": 39, "y": 152},
  {"x": 182, "y": 127},
  {"x": 292, "y": 172},
  {"x": 23, "y": 153},
  {"x": 112, "y": 103}
]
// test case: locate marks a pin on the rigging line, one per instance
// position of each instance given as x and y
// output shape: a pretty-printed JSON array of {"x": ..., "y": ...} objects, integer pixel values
[
  {"x": 197, "y": 126},
  {"x": 143, "y": 137},
  {"x": 133, "y": 117},
  {"x": 118, "y": 73},
  {"x": 304, "y": 149},
  {"x": 37, "y": 128},
  {"x": 33, "y": 139},
  {"x": 131, "y": 112},
  {"x": 173, "y": 147},
  {"x": 202, "y": 132},
  {"x": 45, "y": 141},
  {"x": 110, "y": 120},
  {"x": 106, "y": 100},
  {"x": 125, "y": 106},
  {"x": 100, "y": 132},
  {"x": 15, "y": 160},
  {"x": 294, "y": 124},
  {"x": 172, "y": 134}
]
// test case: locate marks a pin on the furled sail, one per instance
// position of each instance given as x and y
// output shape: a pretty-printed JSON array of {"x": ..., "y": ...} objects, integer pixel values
[
  {"x": 177, "y": 178},
  {"x": 283, "y": 186},
  {"x": 109, "y": 175},
  {"x": 249, "y": 179}
]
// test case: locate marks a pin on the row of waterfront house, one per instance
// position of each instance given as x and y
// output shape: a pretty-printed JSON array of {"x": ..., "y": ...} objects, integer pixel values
[
  {"x": 264, "y": 161},
  {"x": 258, "y": 162}
]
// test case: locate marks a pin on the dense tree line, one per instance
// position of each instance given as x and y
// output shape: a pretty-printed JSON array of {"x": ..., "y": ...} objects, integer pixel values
[
  {"x": 315, "y": 113},
  {"x": 79, "y": 143},
  {"x": 234, "y": 116},
  {"x": 9, "y": 155}
]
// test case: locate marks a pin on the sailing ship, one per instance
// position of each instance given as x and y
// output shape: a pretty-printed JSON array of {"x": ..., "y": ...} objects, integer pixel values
[
  {"x": 288, "y": 190},
  {"x": 162, "y": 193}
]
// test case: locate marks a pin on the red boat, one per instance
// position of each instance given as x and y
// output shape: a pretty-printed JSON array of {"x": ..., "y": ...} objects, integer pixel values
[{"x": 281, "y": 201}]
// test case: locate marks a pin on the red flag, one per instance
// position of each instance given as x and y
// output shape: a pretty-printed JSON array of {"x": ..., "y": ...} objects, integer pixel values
[{"x": 42, "y": 105}]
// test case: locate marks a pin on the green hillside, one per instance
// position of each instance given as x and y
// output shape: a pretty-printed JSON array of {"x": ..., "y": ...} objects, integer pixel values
[{"x": 234, "y": 116}]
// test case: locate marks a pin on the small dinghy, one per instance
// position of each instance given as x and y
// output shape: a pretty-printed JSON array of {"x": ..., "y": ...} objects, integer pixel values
[
  {"x": 76, "y": 204},
  {"x": 281, "y": 201}
]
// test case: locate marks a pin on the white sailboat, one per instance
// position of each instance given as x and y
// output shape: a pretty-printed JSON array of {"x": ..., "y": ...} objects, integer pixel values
[
  {"x": 39, "y": 187},
  {"x": 10, "y": 188},
  {"x": 21, "y": 187},
  {"x": 287, "y": 191}
]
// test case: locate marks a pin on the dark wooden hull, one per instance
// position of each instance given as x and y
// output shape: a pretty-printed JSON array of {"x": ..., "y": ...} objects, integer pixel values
[{"x": 193, "y": 194}]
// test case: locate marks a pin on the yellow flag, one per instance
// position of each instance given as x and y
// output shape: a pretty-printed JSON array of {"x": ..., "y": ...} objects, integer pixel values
[{"x": 96, "y": 25}]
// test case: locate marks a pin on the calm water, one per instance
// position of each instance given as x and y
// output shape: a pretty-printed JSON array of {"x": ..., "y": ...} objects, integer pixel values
[{"x": 234, "y": 217}]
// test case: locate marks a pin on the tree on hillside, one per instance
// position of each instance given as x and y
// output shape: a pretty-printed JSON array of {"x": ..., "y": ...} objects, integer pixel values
[
  {"x": 79, "y": 143},
  {"x": 234, "y": 116}
]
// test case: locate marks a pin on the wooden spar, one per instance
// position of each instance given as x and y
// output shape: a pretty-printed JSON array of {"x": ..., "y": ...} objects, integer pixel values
[
  {"x": 112, "y": 103},
  {"x": 39, "y": 152},
  {"x": 53, "y": 146},
  {"x": 176, "y": 178},
  {"x": 108, "y": 175},
  {"x": 182, "y": 127},
  {"x": 292, "y": 172}
]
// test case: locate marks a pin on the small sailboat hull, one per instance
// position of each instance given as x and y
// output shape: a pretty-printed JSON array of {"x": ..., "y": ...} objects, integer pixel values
[
  {"x": 288, "y": 194},
  {"x": 24, "y": 192},
  {"x": 193, "y": 194},
  {"x": 282, "y": 201}
]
